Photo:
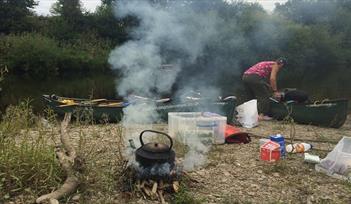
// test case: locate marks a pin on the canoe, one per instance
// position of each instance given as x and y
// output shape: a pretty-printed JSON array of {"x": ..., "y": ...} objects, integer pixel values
[
  {"x": 112, "y": 110},
  {"x": 328, "y": 113},
  {"x": 96, "y": 109}
]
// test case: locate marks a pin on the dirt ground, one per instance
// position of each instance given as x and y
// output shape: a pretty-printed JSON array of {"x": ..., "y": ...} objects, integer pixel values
[{"x": 233, "y": 173}]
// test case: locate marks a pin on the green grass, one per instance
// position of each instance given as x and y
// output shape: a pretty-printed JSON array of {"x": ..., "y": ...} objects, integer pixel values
[
  {"x": 27, "y": 163},
  {"x": 184, "y": 197}
]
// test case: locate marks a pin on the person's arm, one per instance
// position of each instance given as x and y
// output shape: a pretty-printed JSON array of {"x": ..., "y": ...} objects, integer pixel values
[{"x": 273, "y": 77}]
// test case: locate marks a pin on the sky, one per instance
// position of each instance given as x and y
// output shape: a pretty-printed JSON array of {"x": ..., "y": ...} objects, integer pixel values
[{"x": 44, "y": 5}]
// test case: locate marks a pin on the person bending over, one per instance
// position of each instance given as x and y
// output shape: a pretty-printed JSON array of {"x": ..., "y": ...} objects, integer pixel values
[{"x": 260, "y": 81}]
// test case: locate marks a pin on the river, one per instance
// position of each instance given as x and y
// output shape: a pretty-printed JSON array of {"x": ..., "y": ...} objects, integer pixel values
[{"x": 16, "y": 89}]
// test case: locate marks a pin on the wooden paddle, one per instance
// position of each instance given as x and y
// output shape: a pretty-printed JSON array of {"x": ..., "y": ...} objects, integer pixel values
[
  {"x": 120, "y": 104},
  {"x": 98, "y": 100},
  {"x": 65, "y": 105},
  {"x": 84, "y": 102}
]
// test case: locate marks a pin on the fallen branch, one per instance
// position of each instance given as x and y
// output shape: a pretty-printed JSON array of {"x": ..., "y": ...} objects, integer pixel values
[{"x": 70, "y": 162}]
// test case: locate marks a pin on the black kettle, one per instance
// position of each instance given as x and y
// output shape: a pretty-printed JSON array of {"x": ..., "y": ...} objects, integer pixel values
[{"x": 153, "y": 153}]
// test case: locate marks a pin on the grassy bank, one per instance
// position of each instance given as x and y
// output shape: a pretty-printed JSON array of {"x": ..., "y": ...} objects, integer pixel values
[{"x": 27, "y": 163}]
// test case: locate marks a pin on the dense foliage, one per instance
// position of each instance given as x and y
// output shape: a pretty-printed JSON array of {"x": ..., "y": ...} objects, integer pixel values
[
  {"x": 38, "y": 56},
  {"x": 313, "y": 34}
]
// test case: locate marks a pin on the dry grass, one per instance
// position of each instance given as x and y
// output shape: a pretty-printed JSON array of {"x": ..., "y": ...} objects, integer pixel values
[
  {"x": 233, "y": 174},
  {"x": 27, "y": 164}
]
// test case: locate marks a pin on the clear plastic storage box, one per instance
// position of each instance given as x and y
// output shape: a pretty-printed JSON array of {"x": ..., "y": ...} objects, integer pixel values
[{"x": 191, "y": 126}]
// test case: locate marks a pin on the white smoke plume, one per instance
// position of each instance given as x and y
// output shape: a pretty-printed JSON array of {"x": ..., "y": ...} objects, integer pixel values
[
  {"x": 197, "y": 154},
  {"x": 174, "y": 34},
  {"x": 162, "y": 30}
]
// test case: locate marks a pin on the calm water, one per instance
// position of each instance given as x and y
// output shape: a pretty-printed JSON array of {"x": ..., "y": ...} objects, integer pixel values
[{"x": 16, "y": 89}]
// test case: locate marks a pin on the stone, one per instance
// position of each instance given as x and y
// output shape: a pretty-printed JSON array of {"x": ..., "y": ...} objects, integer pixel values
[
  {"x": 251, "y": 193},
  {"x": 226, "y": 173},
  {"x": 276, "y": 174},
  {"x": 76, "y": 197}
]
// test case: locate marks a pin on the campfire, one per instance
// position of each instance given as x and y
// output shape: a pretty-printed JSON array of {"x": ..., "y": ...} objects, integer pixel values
[
  {"x": 157, "y": 181},
  {"x": 156, "y": 173}
]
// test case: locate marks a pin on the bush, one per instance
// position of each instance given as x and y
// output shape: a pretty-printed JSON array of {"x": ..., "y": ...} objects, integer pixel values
[
  {"x": 87, "y": 54},
  {"x": 40, "y": 57},
  {"x": 31, "y": 54},
  {"x": 16, "y": 118}
]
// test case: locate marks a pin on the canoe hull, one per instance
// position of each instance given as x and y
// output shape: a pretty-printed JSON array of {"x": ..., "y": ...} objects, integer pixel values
[
  {"x": 225, "y": 107},
  {"x": 330, "y": 113}
]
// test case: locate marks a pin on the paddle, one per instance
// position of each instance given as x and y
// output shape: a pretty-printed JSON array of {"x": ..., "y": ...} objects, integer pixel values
[
  {"x": 65, "y": 105},
  {"x": 98, "y": 100}
]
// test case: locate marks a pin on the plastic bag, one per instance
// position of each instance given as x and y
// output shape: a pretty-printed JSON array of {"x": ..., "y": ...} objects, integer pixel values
[
  {"x": 338, "y": 161},
  {"x": 247, "y": 114}
]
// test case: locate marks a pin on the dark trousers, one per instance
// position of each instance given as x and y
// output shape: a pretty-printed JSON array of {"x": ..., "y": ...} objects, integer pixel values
[{"x": 258, "y": 88}]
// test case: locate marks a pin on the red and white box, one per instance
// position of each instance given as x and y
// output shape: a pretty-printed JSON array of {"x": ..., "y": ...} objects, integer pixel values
[{"x": 270, "y": 151}]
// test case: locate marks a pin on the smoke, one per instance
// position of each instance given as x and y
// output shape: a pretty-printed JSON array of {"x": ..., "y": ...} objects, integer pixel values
[
  {"x": 174, "y": 33},
  {"x": 197, "y": 153}
]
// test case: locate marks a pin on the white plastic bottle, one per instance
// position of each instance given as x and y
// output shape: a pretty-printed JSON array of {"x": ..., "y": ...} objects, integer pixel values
[{"x": 298, "y": 147}]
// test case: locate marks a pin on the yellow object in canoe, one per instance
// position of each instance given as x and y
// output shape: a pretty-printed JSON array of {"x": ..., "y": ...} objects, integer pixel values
[{"x": 68, "y": 102}]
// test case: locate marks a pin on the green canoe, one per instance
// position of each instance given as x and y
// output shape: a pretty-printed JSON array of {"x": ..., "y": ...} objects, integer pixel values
[
  {"x": 329, "y": 113},
  {"x": 96, "y": 109},
  {"x": 112, "y": 110}
]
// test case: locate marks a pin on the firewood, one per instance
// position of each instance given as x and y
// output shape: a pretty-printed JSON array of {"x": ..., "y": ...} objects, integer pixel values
[
  {"x": 160, "y": 185},
  {"x": 176, "y": 186},
  {"x": 165, "y": 186},
  {"x": 160, "y": 195},
  {"x": 151, "y": 182},
  {"x": 147, "y": 191},
  {"x": 154, "y": 188},
  {"x": 138, "y": 185},
  {"x": 142, "y": 184},
  {"x": 143, "y": 194}
]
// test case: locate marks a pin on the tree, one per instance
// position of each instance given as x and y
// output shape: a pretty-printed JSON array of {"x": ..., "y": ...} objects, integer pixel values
[
  {"x": 107, "y": 2},
  {"x": 13, "y": 15},
  {"x": 70, "y": 20},
  {"x": 108, "y": 26},
  {"x": 70, "y": 10}
]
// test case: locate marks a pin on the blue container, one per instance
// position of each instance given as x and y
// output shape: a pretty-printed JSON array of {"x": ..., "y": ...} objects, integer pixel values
[{"x": 281, "y": 141}]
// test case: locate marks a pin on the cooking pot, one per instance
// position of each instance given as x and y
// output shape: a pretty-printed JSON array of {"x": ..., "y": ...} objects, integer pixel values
[{"x": 154, "y": 153}]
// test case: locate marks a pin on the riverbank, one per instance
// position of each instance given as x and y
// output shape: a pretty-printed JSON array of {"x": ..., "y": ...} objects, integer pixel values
[{"x": 233, "y": 173}]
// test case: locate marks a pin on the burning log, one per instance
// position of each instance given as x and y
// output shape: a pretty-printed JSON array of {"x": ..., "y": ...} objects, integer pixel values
[{"x": 70, "y": 162}]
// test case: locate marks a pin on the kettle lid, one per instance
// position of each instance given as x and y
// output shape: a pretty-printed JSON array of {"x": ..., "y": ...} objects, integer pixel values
[{"x": 156, "y": 147}]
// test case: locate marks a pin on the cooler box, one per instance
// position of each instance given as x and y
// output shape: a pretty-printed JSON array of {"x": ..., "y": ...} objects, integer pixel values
[
  {"x": 188, "y": 126},
  {"x": 270, "y": 151}
]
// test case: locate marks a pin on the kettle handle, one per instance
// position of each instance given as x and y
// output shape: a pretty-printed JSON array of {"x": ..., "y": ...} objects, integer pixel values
[{"x": 154, "y": 131}]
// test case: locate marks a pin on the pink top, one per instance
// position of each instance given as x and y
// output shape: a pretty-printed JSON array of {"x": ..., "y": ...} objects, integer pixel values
[{"x": 263, "y": 69}]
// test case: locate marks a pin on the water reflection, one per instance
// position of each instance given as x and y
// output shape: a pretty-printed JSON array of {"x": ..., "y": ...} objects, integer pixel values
[{"x": 16, "y": 89}]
